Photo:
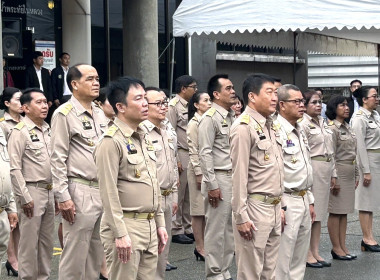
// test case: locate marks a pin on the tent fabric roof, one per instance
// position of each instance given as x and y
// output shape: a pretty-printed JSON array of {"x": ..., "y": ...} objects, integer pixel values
[{"x": 348, "y": 27}]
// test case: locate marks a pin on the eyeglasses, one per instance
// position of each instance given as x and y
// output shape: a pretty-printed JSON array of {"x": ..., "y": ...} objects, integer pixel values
[
  {"x": 164, "y": 103},
  {"x": 315, "y": 102},
  {"x": 374, "y": 96},
  {"x": 296, "y": 101},
  {"x": 195, "y": 87}
]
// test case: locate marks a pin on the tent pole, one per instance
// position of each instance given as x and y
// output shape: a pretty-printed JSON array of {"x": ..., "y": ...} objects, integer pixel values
[
  {"x": 172, "y": 68},
  {"x": 294, "y": 57},
  {"x": 190, "y": 56}
]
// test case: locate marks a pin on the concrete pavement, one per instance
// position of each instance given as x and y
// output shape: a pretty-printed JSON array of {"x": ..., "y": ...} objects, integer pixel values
[{"x": 366, "y": 267}]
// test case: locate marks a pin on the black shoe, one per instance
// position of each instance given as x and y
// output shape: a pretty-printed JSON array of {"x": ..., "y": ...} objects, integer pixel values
[
  {"x": 352, "y": 256},
  {"x": 324, "y": 263},
  {"x": 101, "y": 277},
  {"x": 181, "y": 239},
  {"x": 171, "y": 267},
  {"x": 9, "y": 267},
  {"x": 340, "y": 258},
  {"x": 168, "y": 267},
  {"x": 190, "y": 235},
  {"x": 198, "y": 255},
  {"x": 371, "y": 248},
  {"x": 314, "y": 265}
]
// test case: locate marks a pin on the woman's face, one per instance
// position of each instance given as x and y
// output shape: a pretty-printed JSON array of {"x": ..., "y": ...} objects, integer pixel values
[
  {"x": 342, "y": 110},
  {"x": 314, "y": 106},
  {"x": 237, "y": 108},
  {"x": 108, "y": 110},
  {"x": 14, "y": 105},
  {"x": 372, "y": 100},
  {"x": 204, "y": 103}
]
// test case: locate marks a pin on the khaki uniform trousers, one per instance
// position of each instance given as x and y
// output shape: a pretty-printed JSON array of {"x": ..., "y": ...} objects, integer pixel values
[
  {"x": 257, "y": 258},
  {"x": 295, "y": 239},
  {"x": 182, "y": 222},
  {"x": 219, "y": 239},
  {"x": 35, "y": 250},
  {"x": 167, "y": 207},
  {"x": 5, "y": 230},
  {"x": 82, "y": 254},
  {"x": 144, "y": 257}
]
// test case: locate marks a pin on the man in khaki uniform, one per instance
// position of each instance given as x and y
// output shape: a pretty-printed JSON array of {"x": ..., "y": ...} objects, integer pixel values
[
  {"x": 185, "y": 87},
  {"x": 257, "y": 182},
  {"x": 8, "y": 210},
  {"x": 76, "y": 127},
  {"x": 29, "y": 149},
  {"x": 298, "y": 180},
  {"x": 166, "y": 163},
  {"x": 133, "y": 226},
  {"x": 214, "y": 154}
]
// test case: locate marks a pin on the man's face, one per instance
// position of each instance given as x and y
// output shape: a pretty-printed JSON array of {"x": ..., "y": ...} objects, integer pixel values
[
  {"x": 88, "y": 85},
  {"x": 39, "y": 61},
  {"x": 226, "y": 95},
  {"x": 355, "y": 86},
  {"x": 38, "y": 108},
  {"x": 266, "y": 101},
  {"x": 65, "y": 60},
  {"x": 292, "y": 108},
  {"x": 158, "y": 104},
  {"x": 136, "y": 109},
  {"x": 189, "y": 90}
]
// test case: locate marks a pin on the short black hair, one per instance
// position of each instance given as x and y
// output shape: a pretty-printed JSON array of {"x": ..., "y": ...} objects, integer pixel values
[
  {"x": 276, "y": 79},
  {"x": 36, "y": 54},
  {"x": 153, "y": 88},
  {"x": 7, "y": 96},
  {"x": 73, "y": 75},
  {"x": 254, "y": 83},
  {"x": 319, "y": 89},
  {"x": 356, "y": 81},
  {"x": 214, "y": 85},
  {"x": 183, "y": 81},
  {"x": 308, "y": 95},
  {"x": 26, "y": 96},
  {"x": 118, "y": 90},
  {"x": 167, "y": 92},
  {"x": 333, "y": 103},
  {"x": 62, "y": 54},
  {"x": 361, "y": 93},
  {"x": 103, "y": 92}
]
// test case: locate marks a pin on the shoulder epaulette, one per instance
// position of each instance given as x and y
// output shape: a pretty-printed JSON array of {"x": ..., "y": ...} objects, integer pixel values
[
  {"x": 360, "y": 112},
  {"x": 173, "y": 102},
  {"x": 2, "y": 119},
  {"x": 20, "y": 125},
  {"x": 330, "y": 123},
  {"x": 111, "y": 131},
  {"x": 66, "y": 109},
  {"x": 210, "y": 112},
  {"x": 300, "y": 120},
  {"x": 245, "y": 119},
  {"x": 195, "y": 119}
]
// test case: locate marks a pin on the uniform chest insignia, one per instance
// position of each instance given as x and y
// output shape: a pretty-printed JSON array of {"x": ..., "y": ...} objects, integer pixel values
[
  {"x": 137, "y": 173},
  {"x": 33, "y": 136},
  {"x": 343, "y": 133},
  {"x": 224, "y": 123},
  {"x": 294, "y": 159},
  {"x": 266, "y": 157},
  {"x": 289, "y": 142},
  {"x": 2, "y": 119},
  {"x": 311, "y": 126},
  {"x": 86, "y": 123},
  {"x": 155, "y": 141},
  {"x": 276, "y": 125},
  {"x": 130, "y": 147},
  {"x": 260, "y": 132}
]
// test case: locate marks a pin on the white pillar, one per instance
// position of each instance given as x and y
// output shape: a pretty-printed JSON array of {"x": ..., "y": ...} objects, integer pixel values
[{"x": 76, "y": 30}]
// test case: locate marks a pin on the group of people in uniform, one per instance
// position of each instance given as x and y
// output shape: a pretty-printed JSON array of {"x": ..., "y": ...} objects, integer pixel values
[{"x": 256, "y": 185}]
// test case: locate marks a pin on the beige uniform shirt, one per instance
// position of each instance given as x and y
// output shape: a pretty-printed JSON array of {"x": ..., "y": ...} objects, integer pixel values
[
  {"x": 7, "y": 201},
  {"x": 319, "y": 137},
  {"x": 29, "y": 150},
  {"x": 177, "y": 115},
  {"x": 297, "y": 163},
  {"x": 366, "y": 126},
  {"x": 344, "y": 142},
  {"x": 257, "y": 165},
  {"x": 171, "y": 132},
  {"x": 74, "y": 135},
  {"x": 163, "y": 144},
  {"x": 126, "y": 164},
  {"x": 214, "y": 144},
  {"x": 192, "y": 141},
  {"x": 7, "y": 123}
]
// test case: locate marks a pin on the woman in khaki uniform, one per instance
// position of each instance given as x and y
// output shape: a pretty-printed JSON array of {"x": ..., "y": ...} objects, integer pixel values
[
  {"x": 366, "y": 125},
  {"x": 10, "y": 103},
  {"x": 342, "y": 195},
  {"x": 321, "y": 152},
  {"x": 198, "y": 105}
]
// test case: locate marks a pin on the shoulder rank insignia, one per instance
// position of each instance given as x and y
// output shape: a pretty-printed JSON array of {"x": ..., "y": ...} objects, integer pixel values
[
  {"x": 330, "y": 123},
  {"x": 210, "y": 112},
  {"x": 66, "y": 109},
  {"x": 111, "y": 131},
  {"x": 2, "y": 119},
  {"x": 360, "y": 112},
  {"x": 244, "y": 119},
  {"x": 20, "y": 125},
  {"x": 173, "y": 101},
  {"x": 300, "y": 120}
]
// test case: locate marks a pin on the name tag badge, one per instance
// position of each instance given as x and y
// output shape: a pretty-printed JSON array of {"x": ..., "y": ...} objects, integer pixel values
[{"x": 86, "y": 123}]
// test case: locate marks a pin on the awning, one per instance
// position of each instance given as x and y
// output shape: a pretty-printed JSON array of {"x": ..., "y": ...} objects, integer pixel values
[{"x": 345, "y": 27}]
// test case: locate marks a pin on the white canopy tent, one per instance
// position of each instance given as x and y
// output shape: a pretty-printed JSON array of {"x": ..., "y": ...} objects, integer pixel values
[{"x": 345, "y": 27}]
